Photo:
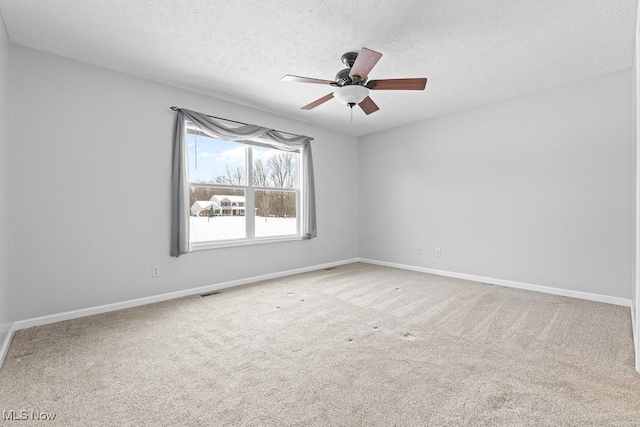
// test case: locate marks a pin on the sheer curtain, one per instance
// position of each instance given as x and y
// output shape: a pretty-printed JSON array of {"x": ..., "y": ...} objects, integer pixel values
[{"x": 247, "y": 134}]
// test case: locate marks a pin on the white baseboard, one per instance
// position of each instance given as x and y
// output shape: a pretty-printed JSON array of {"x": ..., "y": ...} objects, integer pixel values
[
  {"x": 4, "y": 346},
  {"x": 68, "y": 315},
  {"x": 636, "y": 333},
  {"x": 634, "y": 324},
  {"x": 508, "y": 283}
]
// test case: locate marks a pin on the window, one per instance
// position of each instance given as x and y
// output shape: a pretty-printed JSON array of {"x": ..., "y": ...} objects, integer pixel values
[
  {"x": 240, "y": 192},
  {"x": 205, "y": 174}
]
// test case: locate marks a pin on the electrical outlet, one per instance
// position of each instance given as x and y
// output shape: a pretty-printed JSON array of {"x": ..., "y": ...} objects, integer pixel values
[
  {"x": 419, "y": 250},
  {"x": 438, "y": 252},
  {"x": 155, "y": 271}
]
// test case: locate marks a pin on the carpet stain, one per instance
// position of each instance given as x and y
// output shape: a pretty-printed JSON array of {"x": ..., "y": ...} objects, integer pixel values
[{"x": 20, "y": 356}]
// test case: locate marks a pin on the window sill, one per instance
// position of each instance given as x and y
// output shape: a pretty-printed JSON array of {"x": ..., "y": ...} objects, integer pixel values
[{"x": 203, "y": 246}]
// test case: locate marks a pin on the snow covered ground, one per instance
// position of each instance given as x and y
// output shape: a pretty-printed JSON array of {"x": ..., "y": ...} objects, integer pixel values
[{"x": 205, "y": 229}]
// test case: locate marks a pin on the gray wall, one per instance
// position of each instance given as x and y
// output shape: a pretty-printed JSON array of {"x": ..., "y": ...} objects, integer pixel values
[
  {"x": 91, "y": 194},
  {"x": 535, "y": 189},
  {"x": 6, "y": 298}
]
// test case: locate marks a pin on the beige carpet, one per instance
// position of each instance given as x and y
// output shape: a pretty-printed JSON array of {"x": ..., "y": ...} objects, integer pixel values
[{"x": 352, "y": 346}]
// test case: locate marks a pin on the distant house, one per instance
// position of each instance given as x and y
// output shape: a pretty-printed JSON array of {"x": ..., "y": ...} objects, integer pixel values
[
  {"x": 230, "y": 205},
  {"x": 203, "y": 208},
  {"x": 221, "y": 205}
]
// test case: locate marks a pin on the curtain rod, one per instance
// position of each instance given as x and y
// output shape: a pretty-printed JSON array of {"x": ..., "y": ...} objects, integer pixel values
[{"x": 174, "y": 108}]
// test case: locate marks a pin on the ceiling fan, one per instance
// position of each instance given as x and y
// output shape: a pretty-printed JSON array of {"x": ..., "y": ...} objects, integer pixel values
[{"x": 352, "y": 86}]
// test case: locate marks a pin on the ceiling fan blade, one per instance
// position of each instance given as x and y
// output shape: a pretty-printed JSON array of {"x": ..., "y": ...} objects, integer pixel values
[
  {"x": 298, "y": 79},
  {"x": 368, "y": 106},
  {"x": 317, "y": 102},
  {"x": 365, "y": 62},
  {"x": 398, "y": 84}
]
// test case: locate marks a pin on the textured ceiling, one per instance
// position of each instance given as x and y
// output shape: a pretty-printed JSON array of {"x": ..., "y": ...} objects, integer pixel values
[{"x": 472, "y": 51}]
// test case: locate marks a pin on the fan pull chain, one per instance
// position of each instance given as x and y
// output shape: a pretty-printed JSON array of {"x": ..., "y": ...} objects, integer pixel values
[{"x": 351, "y": 114}]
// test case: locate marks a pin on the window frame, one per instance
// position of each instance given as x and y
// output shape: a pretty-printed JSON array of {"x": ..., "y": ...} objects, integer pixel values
[{"x": 249, "y": 190}]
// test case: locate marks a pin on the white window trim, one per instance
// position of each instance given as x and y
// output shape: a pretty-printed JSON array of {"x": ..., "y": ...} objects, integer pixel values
[{"x": 202, "y": 246}]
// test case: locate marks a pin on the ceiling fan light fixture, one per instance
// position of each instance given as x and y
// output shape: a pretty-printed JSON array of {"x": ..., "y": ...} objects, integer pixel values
[{"x": 351, "y": 94}]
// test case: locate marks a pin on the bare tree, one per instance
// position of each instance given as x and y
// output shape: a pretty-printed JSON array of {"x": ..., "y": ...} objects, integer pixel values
[
  {"x": 282, "y": 174},
  {"x": 260, "y": 173},
  {"x": 282, "y": 168},
  {"x": 231, "y": 177},
  {"x": 261, "y": 179}
]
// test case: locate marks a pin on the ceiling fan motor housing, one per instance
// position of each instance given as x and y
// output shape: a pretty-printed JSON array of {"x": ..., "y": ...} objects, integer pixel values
[
  {"x": 349, "y": 58},
  {"x": 343, "y": 78}
]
